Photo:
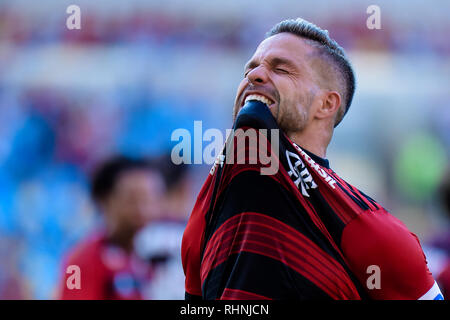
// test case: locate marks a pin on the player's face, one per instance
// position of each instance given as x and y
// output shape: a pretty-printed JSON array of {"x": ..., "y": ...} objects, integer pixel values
[
  {"x": 280, "y": 71},
  {"x": 136, "y": 199}
]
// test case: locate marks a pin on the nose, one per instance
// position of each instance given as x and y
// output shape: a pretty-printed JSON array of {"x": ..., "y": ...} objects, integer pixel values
[{"x": 258, "y": 75}]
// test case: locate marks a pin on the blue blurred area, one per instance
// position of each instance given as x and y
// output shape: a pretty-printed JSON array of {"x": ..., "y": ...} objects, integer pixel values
[{"x": 138, "y": 70}]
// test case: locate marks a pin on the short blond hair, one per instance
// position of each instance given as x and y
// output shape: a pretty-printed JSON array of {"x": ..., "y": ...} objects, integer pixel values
[{"x": 329, "y": 51}]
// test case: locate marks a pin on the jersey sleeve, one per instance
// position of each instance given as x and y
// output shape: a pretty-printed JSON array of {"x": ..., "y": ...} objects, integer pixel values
[{"x": 387, "y": 258}]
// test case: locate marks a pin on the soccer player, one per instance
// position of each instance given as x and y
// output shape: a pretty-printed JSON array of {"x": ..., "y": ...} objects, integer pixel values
[
  {"x": 128, "y": 193},
  {"x": 301, "y": 232}
]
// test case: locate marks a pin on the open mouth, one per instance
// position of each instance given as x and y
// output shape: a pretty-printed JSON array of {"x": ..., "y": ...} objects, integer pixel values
[{"x": 258, "y": 97}]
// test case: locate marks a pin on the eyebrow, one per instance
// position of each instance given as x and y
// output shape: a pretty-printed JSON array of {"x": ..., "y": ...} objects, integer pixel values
[
  {"x": 273, "y": 62},
  {"x": 250, "y": 65},
  {"x": 282, "y": 61}
]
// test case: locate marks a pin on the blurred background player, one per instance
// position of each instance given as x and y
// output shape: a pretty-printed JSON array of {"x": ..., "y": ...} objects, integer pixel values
[
  {"x": 160, "y": 241},
  {"x": 128, "y": 193}
]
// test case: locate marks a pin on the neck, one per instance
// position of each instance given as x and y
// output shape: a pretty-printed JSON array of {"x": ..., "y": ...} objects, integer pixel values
[
  {"x": 315, "y": 139},
  {"x": 121, "y": 238}
]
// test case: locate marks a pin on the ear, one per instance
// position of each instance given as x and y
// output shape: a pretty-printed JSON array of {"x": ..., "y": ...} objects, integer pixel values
[{"x": 331, "y": 101}]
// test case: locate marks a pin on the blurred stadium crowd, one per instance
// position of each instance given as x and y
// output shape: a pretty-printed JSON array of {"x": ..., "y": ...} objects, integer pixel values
[{"x": 140, "y": 69}]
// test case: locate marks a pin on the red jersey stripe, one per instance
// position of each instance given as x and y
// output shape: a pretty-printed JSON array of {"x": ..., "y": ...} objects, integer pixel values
[
  {"x": 235, "y": 294},
  {"x": 293, "y": 249}
]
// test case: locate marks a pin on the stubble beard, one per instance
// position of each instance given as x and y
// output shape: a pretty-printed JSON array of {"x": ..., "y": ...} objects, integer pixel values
[{"x": 293, "y": 117}]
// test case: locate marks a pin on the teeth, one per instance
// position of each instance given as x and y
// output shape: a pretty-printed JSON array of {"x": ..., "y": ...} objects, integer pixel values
[{"x": 258, "y": 98}]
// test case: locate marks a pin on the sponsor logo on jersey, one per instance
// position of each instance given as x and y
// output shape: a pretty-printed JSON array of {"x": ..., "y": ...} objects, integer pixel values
[{"x": 322, "y": 173}]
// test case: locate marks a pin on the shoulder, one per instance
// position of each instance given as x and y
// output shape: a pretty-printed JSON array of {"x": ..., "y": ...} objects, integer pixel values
[
  {"x": 379, "y": 241},
  {"x": 87, "y": 251}
]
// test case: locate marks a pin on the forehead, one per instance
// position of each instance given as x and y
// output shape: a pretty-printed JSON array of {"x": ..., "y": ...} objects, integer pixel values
[
  {"x": 137, "y": 179},
  {"x": 284, "y": 45}
]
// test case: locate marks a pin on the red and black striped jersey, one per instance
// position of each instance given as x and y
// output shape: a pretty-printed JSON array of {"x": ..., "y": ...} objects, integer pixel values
[{"x": 299, "y": 233}]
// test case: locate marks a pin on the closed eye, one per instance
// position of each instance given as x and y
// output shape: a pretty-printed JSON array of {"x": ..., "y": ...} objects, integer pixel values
[{"x": 281, "y": 70}]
